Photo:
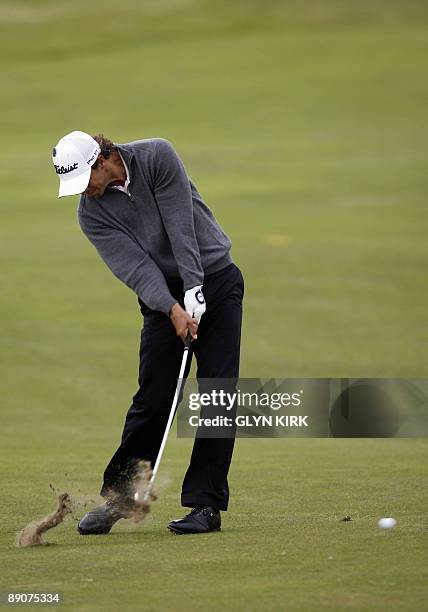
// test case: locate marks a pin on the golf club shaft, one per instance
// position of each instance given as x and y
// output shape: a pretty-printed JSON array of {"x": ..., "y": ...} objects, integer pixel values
[{"x": 171, "y": 416}]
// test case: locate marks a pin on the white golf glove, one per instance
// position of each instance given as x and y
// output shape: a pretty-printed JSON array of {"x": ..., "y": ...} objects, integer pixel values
[{"x": 194, "y": 303}]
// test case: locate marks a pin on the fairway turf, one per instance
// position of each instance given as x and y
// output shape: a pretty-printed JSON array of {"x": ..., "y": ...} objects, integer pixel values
[
  {"x": 304, "y": 126},
  {"x": 283, "y": 545}
]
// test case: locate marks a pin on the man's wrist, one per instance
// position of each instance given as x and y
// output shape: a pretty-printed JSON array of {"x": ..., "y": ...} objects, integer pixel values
[{"x": 173, "y": 309}]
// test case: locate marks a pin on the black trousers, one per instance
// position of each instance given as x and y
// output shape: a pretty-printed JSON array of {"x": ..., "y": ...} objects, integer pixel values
[{"x": 217, "y": 351}]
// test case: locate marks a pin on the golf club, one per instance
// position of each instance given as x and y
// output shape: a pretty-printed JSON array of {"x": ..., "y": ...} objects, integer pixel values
[{"x": 178, "y": 388}]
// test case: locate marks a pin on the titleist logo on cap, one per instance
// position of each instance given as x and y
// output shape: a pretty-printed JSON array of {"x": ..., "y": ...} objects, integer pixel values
[{"x": 66, "y": 169}]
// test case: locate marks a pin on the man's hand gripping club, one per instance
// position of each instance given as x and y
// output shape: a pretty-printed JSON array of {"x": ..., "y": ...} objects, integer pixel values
[{"x": 187, "y": 321}]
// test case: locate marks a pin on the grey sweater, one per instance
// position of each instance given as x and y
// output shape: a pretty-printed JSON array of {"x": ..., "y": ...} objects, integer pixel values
[{"x": 163, "y": 231}]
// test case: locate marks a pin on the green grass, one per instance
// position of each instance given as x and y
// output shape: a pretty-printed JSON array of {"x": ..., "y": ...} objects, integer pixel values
[
  {"x": 304, "y": 126},
  {"x": 283, "y": 545}
]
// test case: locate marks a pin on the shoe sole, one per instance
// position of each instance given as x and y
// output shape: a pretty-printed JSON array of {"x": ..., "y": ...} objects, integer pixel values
[
  {"x": 179, "y": 532},
  {"x": 83, "y": 532}
]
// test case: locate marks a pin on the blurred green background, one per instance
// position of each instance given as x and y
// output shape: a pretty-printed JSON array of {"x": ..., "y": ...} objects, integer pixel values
[{"x": 304, "y": 126}]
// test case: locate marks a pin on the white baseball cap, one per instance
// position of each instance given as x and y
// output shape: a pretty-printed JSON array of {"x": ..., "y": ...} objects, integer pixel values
[{"x": 73, "y": 157}]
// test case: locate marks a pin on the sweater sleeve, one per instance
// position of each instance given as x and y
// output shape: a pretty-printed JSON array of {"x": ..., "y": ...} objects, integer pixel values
[
  {"x": 173, "y": 195},
  {"x": 129, "y": 263}
]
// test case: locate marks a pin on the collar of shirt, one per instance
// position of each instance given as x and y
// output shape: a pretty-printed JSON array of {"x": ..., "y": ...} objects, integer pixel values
[{"x": 127, "y": 181}]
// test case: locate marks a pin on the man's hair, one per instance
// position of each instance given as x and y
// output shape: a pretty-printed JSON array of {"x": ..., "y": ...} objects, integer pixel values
[{"x": 107, "y": 147}]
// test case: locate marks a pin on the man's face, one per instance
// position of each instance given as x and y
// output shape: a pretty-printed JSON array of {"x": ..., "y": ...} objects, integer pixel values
[{"x": 100, "y": 178}]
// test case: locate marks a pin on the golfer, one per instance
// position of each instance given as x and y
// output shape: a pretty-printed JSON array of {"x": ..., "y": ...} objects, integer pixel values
[{"x": 152, "y": 228}]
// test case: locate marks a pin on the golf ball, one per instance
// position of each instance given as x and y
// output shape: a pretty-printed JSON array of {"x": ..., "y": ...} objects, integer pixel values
[{"x": 387, "y": 523}]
